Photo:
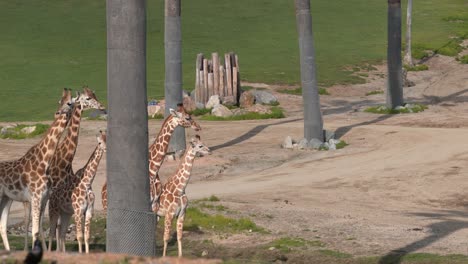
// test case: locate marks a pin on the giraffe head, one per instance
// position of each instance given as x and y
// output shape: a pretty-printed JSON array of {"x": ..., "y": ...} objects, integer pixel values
[
  {"x": 102, "y": 138},
  {"x": 65, "y": 103},
  {"x": 88, "y": 99},
  {"x": 183, "y": 119},
  {"x": 198, "y": 147}
]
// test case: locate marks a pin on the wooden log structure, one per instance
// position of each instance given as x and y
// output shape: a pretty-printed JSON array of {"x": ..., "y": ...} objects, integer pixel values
[{"x": 214, "y": 77}]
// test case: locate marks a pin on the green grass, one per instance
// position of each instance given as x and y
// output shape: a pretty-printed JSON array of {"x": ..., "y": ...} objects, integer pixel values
[
  {"x": 463, "y": 59},
  {"x": 374, "y": 92},
  {"x": 15, "y": 132},
  {"x": 452, "y": 48},
  {"x": 200, "y": 111},
  {"x": 276, "y": 112},
  {"x": 286, "y": 244},
  {"x": 50, "y": 44},
  {"x": 416, "y": 108},
  {"x": 341, "y": 145},
  {"x": 196, "y": 219},
  {"x": 420, "y": 67},
  {"x": 298, "y": 91},
  {"x": 212, "y": 198}
]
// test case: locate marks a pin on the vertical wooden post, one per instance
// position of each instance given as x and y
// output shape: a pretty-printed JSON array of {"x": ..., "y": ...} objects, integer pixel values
[
  {"x": 202, "y": 87},
  {"x": 234, "y": 84},
  {"x": 227, "y": 62},
  {"x": 210, "y": 84},
  {"x": 198, "y": 83},
  {"x": 222, "y": 88},
  {"x": 215, "y": 58}
]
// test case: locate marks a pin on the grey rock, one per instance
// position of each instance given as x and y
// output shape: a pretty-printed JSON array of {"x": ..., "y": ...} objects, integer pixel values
[
  {"x": 329, "y": 135},
  {"x": 98, "y": 113},
  {"x": 213, "y": 101},
  {"x": 204, "y": 253},
  {"x": 400, "y": 108},
  {"x": 239, "y": 111},
  {"x": 326, "y": 145},
  {"x": 189, "y": 104},
  {"x": 221, "y": 111},
  {"x": 287, "y": 143},
  {"x": 200, "y": 106},
  {"x": 264, "y": 97},
  {"x": 331, "y": 145},
  {"x": 303, "y": 144},
  {"x": 229, "y": 100},
  {"x": 315, "y": 143},
  {"x": 334, "y": 141}
]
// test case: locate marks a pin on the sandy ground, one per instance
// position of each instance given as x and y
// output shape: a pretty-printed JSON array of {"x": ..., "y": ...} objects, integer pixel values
[{"x": 400, "y": 184}]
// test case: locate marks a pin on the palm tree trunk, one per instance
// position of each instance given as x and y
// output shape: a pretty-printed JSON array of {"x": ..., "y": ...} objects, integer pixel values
[
  {"x": 173, "y": 63},
  {"x": 130, "y": 222},
  {"x": 313, "y": 123},
  {"x": 395, "y": 78},
  {"x": 408, "y": 57}
]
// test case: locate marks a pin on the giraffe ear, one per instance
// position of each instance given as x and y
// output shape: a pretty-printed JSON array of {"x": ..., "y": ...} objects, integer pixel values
[
  {"x": 173, "y": 112},
  {"x": 64, "y": 92}
]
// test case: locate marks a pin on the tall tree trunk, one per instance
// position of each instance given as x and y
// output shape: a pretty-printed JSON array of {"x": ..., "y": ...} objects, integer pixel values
[
  {"x": 130, "y": 222},
  {"x": 409, "y": 14},
  {"x": 395, "y": 78},
  {"x": 313, "y": 123},
  {"x": 173, "y": 63}
]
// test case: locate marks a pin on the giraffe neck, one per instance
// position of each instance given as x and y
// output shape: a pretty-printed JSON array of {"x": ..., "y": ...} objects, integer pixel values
[
  {"x": 63, "y": 156},
  {"x": 89, "y": 170},
  {"x": 161, "y": 144},
  {"x": 44, "y": 150},
  {"x": 184, "y": 171}
]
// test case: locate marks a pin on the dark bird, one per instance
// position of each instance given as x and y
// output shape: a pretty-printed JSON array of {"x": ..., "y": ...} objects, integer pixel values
[{"x": 35, "y": 255}]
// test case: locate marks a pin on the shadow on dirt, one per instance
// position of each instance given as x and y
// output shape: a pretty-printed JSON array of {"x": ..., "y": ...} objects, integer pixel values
[{"x": 437, "y": 231}]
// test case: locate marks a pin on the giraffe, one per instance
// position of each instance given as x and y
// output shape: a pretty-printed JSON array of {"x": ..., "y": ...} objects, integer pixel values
[
  {"x": 76, "y": 198},
  {"x": 60, "y": 167},
  {"x": 25, "y": 179},
  {"x": 157, "y": 150},
  {"x": 173, "y": 200}
]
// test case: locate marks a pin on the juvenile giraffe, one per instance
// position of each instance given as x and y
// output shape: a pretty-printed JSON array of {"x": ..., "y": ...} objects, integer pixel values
[
  {"x": 157, "y": 151},
  {"x": 25, "y": 179},
  {"x": 173, "y": 200},
  {"x": 60, "y": 167},
  {"x": 76, "y": 198}
]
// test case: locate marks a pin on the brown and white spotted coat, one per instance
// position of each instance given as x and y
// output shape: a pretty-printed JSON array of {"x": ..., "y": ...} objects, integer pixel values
[
  {"x": 25, "y": 179},
  {"x": 158, "y": 150},
  {"x": 173, "y": 200},
  {"x": 77, "y": 198},
  {"x": 60, "y": 167}
]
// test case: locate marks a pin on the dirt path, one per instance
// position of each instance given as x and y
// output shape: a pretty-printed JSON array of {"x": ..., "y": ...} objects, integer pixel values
[{"x": 400, "y": 184}]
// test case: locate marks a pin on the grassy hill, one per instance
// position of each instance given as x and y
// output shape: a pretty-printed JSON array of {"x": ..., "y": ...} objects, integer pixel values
[{"x": 50, "y": 44}]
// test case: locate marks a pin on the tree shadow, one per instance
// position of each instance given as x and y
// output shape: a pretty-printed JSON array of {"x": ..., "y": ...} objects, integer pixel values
[
  {"x": 251, "y": 133},
  {"x": 341, "y": 131},
  {"x": 438, "y": 231}
]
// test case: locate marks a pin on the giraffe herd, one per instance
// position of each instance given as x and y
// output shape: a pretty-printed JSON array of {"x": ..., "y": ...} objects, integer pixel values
[{"x": 45, "y": 174}]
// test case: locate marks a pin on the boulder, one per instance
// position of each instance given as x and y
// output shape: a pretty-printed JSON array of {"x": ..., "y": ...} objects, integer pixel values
[
  {"x": 239, "y": 111},
  {"x": 287, "y": 143},
  {"x": 329, "y": 135},
  {"x": 261, "y": 109},
  {"x": 213, "y": 101},
  {"x": 331, "y": 145},
  {"x": 200, "y": 106},
  {"x": 303, "y": 144},
  {"x": 221, "y": 111},
  {"x": 315, "y": 143},
  {"x": 28, "y": 129},
  {"x": 189, "y": 104},
  {"x": 264, "y": 97},
  {"x": 98, "y": 113},
  {"x": 247, "y": 99},
  {"x": 229, "y": 100},
  {"x": 5, "y": 129}
]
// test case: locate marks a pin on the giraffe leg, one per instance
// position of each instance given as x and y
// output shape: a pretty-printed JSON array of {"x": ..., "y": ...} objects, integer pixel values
[
  {"x": 5, "y": 205},
  {"x": 167, "y": 230},
  {"x": 64, "y": 221},
  {"x": 37, "y": 200},
  {"x": 26, "y": 221},
  {"x": 88, "y": 216},
  {"x": 79, "y": 229},
  {"x": 53, "y": 219},
  {"x": 180, "y": 223}
]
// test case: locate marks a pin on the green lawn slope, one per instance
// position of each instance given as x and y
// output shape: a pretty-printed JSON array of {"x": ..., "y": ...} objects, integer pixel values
[{"x": 50, "y": 44}]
